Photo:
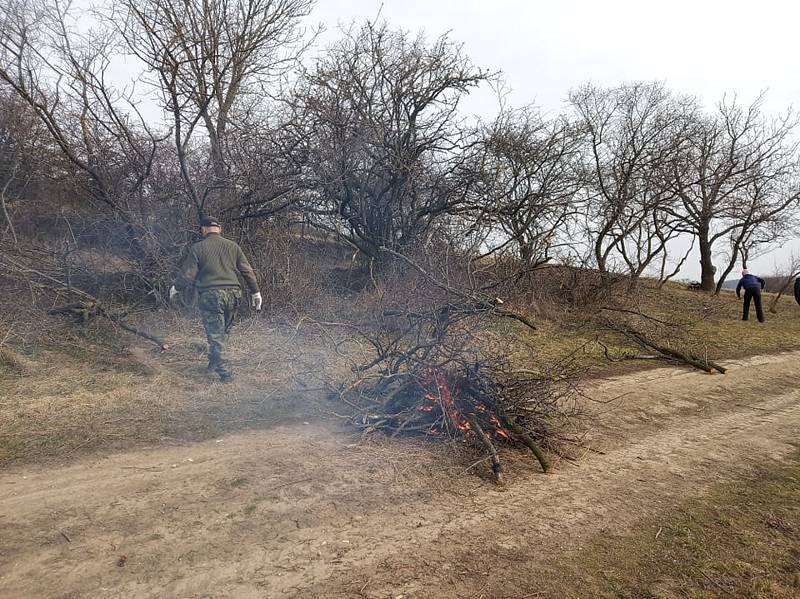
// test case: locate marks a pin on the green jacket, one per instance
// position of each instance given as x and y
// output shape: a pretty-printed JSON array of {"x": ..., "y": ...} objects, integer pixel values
[{"x": 214, "y": 262}]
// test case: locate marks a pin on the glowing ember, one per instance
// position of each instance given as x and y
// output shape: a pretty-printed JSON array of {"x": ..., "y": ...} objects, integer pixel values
[
  {"x": 499, "y": 427},
  {"x": 445, "y": 393},
  {"x": 445, "y": 397}
]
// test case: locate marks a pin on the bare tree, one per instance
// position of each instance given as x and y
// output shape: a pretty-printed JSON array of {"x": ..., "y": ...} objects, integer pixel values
[
  {"x": 529, "y": 184},
  {"x": 381, "y": 138},
  {"x": 24, "y": 157},
  {"x": 665, "y": 275},
  {"x": 763, "y": 222},
  {"x": 62, "y": 75},
  {"x": 103, "y": 151},
  {"x": 646, "y": 239},
  {"x": 736, "y": 180},
  {"x": 270, "y": 167},
  {"x": 631, "y": 134},
  {"x": 209, "y": 60}
]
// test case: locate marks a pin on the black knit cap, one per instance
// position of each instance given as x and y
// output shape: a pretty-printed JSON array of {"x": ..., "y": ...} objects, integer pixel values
[{"x": 209, "y": 221}]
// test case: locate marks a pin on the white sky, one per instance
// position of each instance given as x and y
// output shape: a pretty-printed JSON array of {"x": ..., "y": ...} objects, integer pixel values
[
  {"x": 707, "y": 48},
  {"x": 702, "y": 47}
]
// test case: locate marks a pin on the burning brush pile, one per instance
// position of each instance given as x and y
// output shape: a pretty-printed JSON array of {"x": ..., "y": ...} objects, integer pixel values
[
  {"x": 455, "y": 365},
  {"x": 480, "y": 405}
]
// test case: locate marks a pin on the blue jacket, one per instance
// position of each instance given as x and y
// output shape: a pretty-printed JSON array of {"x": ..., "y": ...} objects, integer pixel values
[{"x": 750, "y": 282}]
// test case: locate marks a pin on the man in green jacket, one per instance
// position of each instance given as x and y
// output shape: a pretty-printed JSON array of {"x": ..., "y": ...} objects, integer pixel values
[{"x": 213, "y": 265}]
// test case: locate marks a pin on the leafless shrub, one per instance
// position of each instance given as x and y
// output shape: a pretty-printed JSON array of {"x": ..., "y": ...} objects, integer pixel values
[
  {"x": 562, "y": 292},
  {"x": 298, "y": 268}
]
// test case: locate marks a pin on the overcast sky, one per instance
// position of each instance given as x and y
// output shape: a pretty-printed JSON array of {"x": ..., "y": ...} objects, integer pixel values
[
  {"x": 707, "y": 48},
  {"x": 703, "y": 47}
]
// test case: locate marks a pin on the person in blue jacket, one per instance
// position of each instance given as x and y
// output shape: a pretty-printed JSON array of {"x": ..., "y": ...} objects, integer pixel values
[{"x": 752, "y": 291}]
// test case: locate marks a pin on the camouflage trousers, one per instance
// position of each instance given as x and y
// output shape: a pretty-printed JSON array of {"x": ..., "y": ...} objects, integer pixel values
[{"x": 218, "y": 309}]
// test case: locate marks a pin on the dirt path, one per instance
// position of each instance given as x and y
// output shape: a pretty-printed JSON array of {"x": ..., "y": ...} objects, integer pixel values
[{"x": 302, "y": 511}]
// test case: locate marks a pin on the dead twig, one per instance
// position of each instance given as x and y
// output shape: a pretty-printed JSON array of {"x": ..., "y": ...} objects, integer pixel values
[
  {"x": 83, "y": 311},
  {"x": 715, "y": 583},
  {"x": 477, "y": 302},
  {"x": 497, "y": 466}
]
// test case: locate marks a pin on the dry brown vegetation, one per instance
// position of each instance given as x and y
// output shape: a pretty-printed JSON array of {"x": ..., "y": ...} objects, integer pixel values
[
  {"x": 440, "y": 290},
  {"x": 69, "y": 388},
  {"x": 741, "y": 540}
]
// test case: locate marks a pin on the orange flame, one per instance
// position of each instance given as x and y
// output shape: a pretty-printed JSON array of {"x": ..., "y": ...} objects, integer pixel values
[
  {"x": 498, "y": 427},
  {"x": 446, "y": 391}
]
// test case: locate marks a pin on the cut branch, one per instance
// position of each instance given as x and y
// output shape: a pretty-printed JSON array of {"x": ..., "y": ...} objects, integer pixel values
[
  {"x": 497, "y": 466},
  {"x": 640, "y": 339}
]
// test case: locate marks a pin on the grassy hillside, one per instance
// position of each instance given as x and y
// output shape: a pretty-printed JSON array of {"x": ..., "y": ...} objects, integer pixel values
[
  {"x": 70, "y": 388},
  {"x": 710, "y": 326}
]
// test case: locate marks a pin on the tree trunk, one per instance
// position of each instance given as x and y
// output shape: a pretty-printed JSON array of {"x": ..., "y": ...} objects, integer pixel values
[
  {"x": 706, "y": 264},
  {"x": 525, "y": 252},
  {"x": 600, "y": 255}
]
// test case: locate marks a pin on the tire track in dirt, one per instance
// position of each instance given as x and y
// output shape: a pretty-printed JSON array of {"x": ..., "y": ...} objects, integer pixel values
[
  {"x": 604, "y": 494},
  {"x": 300, "y": 512}
]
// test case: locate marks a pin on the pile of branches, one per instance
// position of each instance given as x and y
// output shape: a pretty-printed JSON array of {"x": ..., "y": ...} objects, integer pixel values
[
  {"x": 45, "y": 275},
  {"x": 448, "y": 362}
]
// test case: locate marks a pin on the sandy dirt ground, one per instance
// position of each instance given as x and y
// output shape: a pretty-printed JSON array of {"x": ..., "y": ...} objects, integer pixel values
[{"x": 304, "y": 510}]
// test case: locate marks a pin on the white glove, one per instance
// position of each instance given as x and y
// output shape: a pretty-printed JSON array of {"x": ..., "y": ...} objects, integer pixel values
[
  {"x": 255, "y": 301},
  {"x": 172, "y": 293}
]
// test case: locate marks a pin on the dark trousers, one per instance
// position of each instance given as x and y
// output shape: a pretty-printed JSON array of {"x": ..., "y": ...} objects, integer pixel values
[
  {"x": 755, "y": 295},
  {"x": 218, "y": 309}
]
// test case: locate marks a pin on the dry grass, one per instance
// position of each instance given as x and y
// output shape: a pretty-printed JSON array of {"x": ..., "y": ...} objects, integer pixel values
[
  {"x": 742, "y": 540},
  {"x": 68, "y": 389},
  {"x": 713, "y": 328},
  {"x": 78, "y": 396},
  {"x": 13, "y": 362}
]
